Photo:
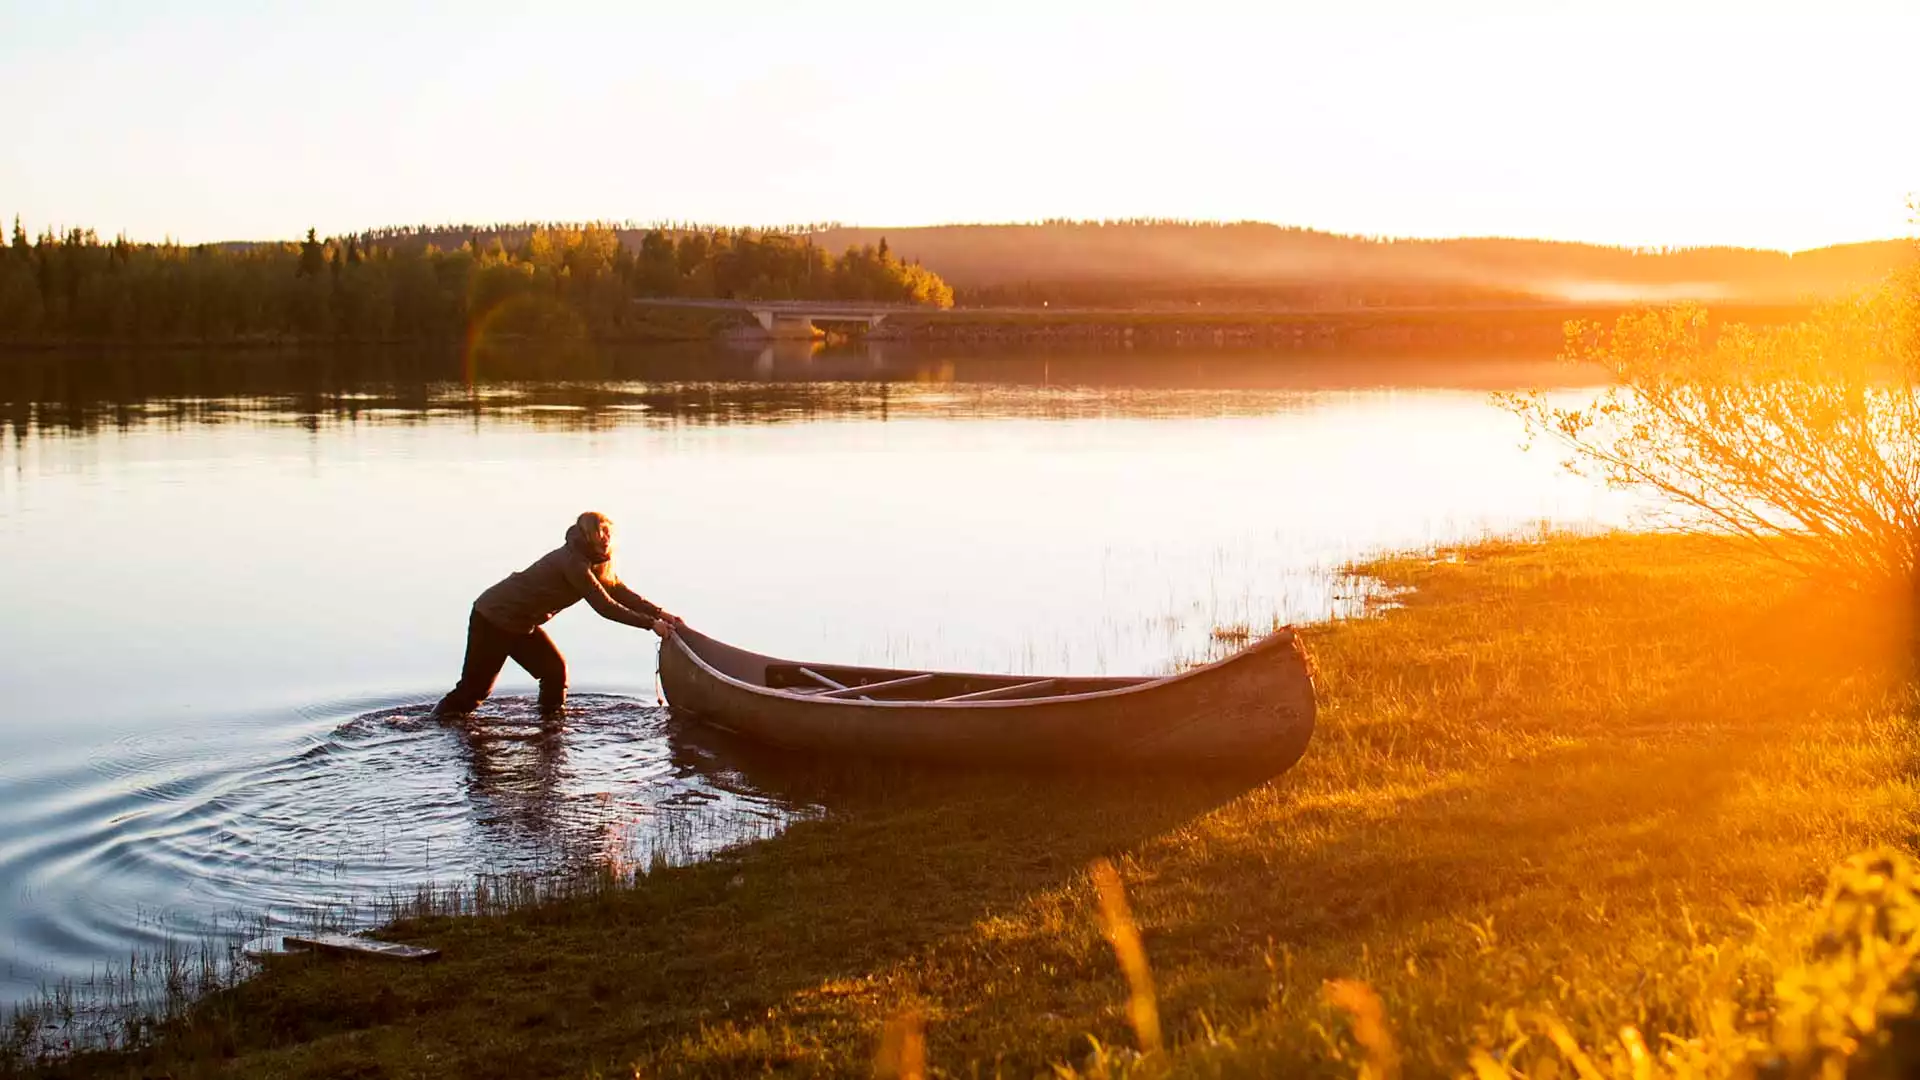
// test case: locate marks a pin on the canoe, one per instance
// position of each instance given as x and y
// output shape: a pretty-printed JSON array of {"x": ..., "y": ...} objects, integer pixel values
[{"x": 1253, "y": 709}]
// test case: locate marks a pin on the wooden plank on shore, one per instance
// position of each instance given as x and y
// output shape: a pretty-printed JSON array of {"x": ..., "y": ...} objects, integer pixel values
[
  {"x": 1015, "y": 690},
  {"x": 890, "y": 684},
  {"x": 346, "y": 945}
]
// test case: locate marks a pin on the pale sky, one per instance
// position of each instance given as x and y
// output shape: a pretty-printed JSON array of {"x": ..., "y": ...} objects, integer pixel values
[{"x": 1674, "y": 123}]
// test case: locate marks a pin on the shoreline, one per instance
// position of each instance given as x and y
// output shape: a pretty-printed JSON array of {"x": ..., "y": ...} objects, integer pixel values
[{"x": 1532, "y": 328}]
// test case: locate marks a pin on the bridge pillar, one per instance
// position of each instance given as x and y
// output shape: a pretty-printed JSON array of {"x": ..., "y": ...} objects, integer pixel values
[
  {"x": 763, "y": 316},
  {"x": 784, "y": 325}
]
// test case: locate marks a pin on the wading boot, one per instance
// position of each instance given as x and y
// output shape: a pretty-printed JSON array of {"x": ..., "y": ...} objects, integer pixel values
[{"x": 553, "y": 704}]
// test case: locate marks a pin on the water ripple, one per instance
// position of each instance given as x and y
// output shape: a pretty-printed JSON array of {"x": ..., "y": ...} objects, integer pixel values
[{"x": 199, "y": 831}]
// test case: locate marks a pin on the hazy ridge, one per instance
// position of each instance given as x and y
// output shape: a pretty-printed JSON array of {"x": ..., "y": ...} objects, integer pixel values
[
  {"x": 1252, "y": 264},
  {"x": 1156, "y": 255}
]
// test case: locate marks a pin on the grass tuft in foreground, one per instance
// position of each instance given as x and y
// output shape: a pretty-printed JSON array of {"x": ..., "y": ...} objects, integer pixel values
[
  {"x": 1847, "y": 1004},
  {"x": 1567, "y": 814}
]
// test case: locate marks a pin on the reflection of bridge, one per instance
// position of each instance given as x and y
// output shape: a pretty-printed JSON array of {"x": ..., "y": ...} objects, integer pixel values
[
  {"x": 786, "y": 359},
  {"x": 793, "y": 318}
]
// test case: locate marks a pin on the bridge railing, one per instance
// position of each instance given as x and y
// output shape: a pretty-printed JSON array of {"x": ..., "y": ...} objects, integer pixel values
[{"x": 794, "y": 306}]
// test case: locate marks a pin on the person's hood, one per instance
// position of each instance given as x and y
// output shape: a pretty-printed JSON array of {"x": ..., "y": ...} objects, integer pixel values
[{"x": 578, "y": 541}]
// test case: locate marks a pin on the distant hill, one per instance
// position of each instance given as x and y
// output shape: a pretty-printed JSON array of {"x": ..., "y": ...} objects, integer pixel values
[
  {"x": 1251, "y": 264},
  {"x": 1177, "y": 261}
]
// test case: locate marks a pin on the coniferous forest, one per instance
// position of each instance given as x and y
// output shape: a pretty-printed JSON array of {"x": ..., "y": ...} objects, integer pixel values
[{"x": 564, "y": 281}]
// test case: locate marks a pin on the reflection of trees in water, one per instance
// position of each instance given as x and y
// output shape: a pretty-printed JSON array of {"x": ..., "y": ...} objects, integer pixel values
[
  {"x": 701, "y": 384},
  {"x": 53, "y": 394}
]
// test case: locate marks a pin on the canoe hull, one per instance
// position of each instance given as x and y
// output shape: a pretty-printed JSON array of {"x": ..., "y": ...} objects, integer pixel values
[{"x": 1251, "y": 710}]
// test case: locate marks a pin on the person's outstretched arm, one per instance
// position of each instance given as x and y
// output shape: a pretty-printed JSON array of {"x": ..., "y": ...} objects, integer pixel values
[
  {"x": 627, "y": 597},
  {"x": 596, "y": 596}
]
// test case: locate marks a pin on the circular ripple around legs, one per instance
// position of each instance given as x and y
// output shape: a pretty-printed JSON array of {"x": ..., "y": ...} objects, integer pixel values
[{"x": 193, "y": 836}]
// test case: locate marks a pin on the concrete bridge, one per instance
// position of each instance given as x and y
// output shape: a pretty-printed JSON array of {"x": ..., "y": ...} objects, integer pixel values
[{"x": 793, "y": 318}]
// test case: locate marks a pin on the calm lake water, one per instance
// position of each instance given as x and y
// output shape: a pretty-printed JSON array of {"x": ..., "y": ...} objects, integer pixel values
[{"x": 233, "y": 585}]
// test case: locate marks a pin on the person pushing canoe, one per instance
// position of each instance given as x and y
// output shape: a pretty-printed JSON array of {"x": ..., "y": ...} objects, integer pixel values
[{"x": 506, "y": 619}]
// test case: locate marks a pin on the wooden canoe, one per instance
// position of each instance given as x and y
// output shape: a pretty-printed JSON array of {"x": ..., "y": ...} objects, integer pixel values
[{"x": 1253, "y": 709}]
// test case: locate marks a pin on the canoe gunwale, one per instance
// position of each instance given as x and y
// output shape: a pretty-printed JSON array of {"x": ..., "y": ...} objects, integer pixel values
[{"x": 1280, "y": 638}]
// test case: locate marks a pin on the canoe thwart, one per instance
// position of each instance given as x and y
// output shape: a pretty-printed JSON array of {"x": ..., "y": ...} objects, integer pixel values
[
  {"x": 819, "y": 678},
  {"x": 889, "y": 684},
  {"x": 1016, "y": 690},
  {"x": 346, "y": 945}
]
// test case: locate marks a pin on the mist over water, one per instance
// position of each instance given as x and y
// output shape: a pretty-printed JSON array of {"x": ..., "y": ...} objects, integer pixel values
[{"x": 236, "y": 583}]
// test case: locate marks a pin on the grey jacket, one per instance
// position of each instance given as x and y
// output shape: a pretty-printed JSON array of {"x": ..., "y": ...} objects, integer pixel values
[{"x": 557, "y": 580}]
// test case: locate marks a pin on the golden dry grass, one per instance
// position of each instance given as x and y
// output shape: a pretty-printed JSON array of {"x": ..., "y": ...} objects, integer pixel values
[{"x": 1568, "y": 788}]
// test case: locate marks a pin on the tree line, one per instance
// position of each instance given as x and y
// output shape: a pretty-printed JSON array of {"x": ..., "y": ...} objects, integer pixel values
[{"x": 550, "y": 280}]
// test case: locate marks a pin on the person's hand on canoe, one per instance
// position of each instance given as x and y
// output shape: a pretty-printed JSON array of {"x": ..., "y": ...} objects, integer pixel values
[{"x": 664, "y": 625}]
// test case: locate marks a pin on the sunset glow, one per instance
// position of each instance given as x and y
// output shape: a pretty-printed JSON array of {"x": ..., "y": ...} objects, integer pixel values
[
  {"x": 1675, "y": 124},
  {"x": 1330, "y": 538}
]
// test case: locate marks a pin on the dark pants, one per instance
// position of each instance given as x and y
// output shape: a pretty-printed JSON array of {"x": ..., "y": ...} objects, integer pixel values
[{"x": 488, "y": 648}]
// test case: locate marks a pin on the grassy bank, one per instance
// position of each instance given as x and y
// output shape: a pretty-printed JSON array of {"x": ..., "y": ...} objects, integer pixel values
[
  {"x": 1355, "y": 325},
  {"x": 1534, "y": 330},
  {"x": 1600, "y": 780},
  {"x": 1516, "y": 314}
]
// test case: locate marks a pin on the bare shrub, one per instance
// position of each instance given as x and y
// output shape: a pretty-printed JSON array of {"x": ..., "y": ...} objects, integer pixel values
[{"x": 1802, "y": 438}]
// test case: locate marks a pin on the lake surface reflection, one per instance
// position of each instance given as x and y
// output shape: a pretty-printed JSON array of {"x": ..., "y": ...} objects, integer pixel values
[{"x": 235, "y": 584}]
